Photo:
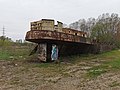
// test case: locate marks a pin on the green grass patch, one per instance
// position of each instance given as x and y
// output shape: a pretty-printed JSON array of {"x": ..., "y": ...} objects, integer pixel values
[
  {"x": 4, "y": 55},
  {"x": 114, "y": 64},
  {"x": 111, "y": 63},
  {"x": 13, "y": 54},
  {"x": 96, "y": 71},
  {"x": 111, "y": 54}
]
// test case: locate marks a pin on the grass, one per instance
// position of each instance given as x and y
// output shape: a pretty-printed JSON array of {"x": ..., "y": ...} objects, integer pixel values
[
  {"x": 13, "y": 53},
  {"x": 115, "y": 64},
  {"x": 96, "y": 71},
  {"x": 4, "y": 55},
  {"x": 111, "y": 60},
  {"x": 111, "y": 63}
]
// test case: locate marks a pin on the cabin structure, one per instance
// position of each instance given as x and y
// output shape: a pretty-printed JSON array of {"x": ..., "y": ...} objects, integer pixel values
[{"x": 49, "y": 24}]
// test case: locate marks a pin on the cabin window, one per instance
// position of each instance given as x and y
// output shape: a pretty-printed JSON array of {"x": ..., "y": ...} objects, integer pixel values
[
  {"x": 69, "y": 31},
  {"x": 83, "y": 35},
  {"x": 76, "y": 34}
]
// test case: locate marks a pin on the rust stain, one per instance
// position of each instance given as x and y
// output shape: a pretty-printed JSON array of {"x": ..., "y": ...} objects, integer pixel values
[{"x": 52, "y": 35}]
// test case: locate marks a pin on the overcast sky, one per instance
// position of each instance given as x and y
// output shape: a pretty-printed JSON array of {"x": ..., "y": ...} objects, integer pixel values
[{"x": 16, "y": 15}]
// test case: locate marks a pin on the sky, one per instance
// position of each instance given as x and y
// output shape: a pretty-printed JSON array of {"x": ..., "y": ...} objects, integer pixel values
[{"x": 16, "y": 15}]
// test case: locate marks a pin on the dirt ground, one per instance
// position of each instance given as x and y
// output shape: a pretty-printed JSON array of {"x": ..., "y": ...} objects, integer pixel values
[{"x": 20, "y": 75}]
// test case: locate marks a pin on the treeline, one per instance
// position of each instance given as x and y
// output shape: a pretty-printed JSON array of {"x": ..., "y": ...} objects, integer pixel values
[
  {"x": 104, "y": 30},
  {"x": 6, "y": 42}
]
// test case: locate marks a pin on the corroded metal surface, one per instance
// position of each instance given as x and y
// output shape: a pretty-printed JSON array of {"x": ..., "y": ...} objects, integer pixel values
[{"x": 38, "y": 35}]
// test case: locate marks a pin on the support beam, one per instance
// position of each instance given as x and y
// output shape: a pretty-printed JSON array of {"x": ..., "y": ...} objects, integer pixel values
[
  {"x": 49, "y": 51},
  {"x": 42, "y": 52}
]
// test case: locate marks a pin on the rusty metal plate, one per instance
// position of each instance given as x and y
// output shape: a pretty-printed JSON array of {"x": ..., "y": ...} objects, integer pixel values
[{"x": 38, "y": 35}]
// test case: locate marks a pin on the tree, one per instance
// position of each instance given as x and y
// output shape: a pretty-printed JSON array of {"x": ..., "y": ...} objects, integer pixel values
[{"x": 104, "y": 30}]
